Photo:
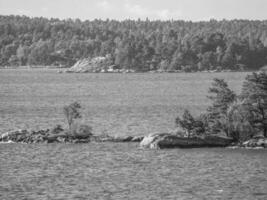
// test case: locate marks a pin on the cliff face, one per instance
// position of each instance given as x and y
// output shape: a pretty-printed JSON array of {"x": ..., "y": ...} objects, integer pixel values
[{"x": 96, "y": 64}]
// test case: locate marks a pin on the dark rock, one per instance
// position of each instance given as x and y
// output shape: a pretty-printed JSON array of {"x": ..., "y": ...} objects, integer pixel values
[
  {"x": 57, "y": 129},
  {"x": 122, "y": 139},
  {"x": 167, "y": 140},
  {"x": 14, "y": 135},
  {"x": 81, "y": 131},
  {"x": 51, "y": 138},
  {"x": 217, "y": 141}
]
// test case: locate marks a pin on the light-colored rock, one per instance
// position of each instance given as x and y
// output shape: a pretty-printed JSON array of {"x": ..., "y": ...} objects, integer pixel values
[
  {"x": 259, "y": 142},
  {"x": 12, "y": 135},
  {"x": 96, "y": 64},
  {"x": 148, "y": 141},
  {"x": 137, "y": 138}
]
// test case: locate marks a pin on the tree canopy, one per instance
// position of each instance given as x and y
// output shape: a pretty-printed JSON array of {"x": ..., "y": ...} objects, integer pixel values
[
  {"x": 135, "y": 44},
  {"x": 239, "y": 116}
]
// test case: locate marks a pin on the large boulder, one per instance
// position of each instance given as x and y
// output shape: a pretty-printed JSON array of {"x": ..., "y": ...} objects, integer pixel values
[{"x": 167, "y": 140}]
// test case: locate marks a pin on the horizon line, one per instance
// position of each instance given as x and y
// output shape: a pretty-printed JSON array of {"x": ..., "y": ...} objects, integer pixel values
[{"x": 134, "y": 19}]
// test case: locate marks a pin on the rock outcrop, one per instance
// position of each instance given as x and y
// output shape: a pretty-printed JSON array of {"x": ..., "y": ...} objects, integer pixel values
[
  {"x": 259, "y": 142},
  {"x": 97, "y": 64},
  {"x": 107, "y": 138},
  {"x": 79, "y": 134},
  {"x": 167, "y": 140}
]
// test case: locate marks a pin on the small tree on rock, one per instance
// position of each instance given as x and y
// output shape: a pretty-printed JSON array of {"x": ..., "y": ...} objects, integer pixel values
[{"x": 72, "y": 112}]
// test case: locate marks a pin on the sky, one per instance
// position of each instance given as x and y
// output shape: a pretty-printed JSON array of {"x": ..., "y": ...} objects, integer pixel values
[{"x": 193, "y": 10}]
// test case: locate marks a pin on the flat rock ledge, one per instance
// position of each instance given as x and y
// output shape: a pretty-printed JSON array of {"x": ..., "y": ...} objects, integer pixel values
[
  {"x": 152, "y": 141},
  {"x": 59, "y": 135},
  {"x": 253, "y": 143},
  {"x": 167, "y": 140}
]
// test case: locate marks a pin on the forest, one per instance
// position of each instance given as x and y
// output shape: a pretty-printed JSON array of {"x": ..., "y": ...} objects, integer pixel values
[{"x": 141, "y": 45}]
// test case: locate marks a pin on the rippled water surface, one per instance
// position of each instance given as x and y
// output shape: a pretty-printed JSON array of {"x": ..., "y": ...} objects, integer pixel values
[
  {"x": 118, "y": 104},
  {"x": 122, "y": 171}
]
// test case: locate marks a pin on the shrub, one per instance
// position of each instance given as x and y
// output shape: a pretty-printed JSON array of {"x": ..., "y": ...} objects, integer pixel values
[
  {"x": 191, "y": 125},
  {"x": 72, "y": 112},
  {"x": 238, "y": 121}
]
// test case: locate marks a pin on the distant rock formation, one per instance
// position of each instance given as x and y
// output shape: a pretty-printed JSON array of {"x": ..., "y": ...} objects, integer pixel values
[{"x": 96, "y": 64}]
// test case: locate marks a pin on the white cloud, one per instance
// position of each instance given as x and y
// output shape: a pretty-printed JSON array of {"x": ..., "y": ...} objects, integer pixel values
[
  {"x": 142, "y": 12},
  {"x": 44, "y": 9},
  {"x": 23, "y": 12},
  {"x": 167, "y": 14},
  {"x": 104, "y": 5}
]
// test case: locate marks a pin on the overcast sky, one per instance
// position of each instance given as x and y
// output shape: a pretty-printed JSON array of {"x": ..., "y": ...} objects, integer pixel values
[{"x": 194, "y": 10}]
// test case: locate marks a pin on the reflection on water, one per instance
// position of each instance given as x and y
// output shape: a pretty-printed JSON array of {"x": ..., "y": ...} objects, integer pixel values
[{"x": 122, "y": 171}]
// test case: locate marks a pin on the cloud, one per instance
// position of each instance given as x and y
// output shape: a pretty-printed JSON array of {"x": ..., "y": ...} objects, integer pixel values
[
  {"x": 23, "y": 12},
  {"x": 141, "y": 12},
  {"x": 167, "y": 14},
  {"x": 44, "y": 9},
  {"x": 104, "y": 5}
]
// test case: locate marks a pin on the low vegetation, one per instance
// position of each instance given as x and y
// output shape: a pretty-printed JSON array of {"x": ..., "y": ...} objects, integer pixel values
[{"x": 238, "y": 116}]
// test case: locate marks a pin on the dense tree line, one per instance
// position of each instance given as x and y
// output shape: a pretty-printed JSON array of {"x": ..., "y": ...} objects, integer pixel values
[
  {"x": 140, "y": 45},
  {"x": 239, "y": 116}
]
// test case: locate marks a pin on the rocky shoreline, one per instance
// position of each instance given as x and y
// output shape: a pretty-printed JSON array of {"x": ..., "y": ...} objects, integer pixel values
[{"x": 151, "y": 141}]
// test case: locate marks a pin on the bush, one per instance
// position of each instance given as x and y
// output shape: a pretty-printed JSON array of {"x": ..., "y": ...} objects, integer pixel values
[
  {"x": 72, "y": 112},
  {"x": 191, "y": 125}
]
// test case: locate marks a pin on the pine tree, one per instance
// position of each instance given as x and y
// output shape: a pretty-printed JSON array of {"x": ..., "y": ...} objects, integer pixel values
[
  {"x": 254, "y": 95},
  {"x": 222, "y": 97}
]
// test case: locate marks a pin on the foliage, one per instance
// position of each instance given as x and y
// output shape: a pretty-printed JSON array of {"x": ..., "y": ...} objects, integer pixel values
[
  {"x": 240, "y": 117},
  {"x": 238, "y": 121},
  {"x": 139, "y": 45},
  {"x": 254, "y": 96},
  {"x": 72, "y": 112},
  {"x": 222, "y": 97},
  {"x": 190, "y": 124}
]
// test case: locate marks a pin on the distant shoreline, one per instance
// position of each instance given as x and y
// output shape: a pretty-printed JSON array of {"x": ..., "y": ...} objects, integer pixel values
[{"x": 122, "y": 72}]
